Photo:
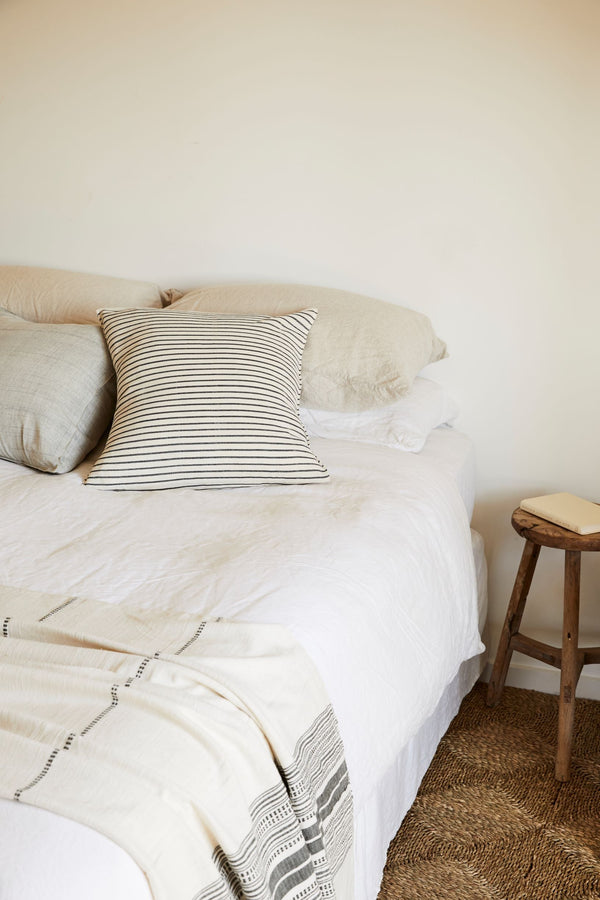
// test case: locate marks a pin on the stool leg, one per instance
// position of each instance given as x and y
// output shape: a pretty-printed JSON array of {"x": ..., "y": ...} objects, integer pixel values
[
  {"x": 569, "y": 670},
  {"x": 512, "y": 622}
]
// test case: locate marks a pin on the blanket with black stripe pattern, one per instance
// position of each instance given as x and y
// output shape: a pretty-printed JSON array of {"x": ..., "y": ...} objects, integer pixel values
[{"x": 207, "y": 749}]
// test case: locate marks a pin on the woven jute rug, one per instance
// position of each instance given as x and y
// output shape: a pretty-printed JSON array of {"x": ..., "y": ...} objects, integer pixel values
[{"x": 490, "y": 822}]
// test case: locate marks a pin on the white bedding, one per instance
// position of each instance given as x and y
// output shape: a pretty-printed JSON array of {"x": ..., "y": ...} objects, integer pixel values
[
  {"x": 376, "y": 561},
  {"x": 452, "y": 452}
]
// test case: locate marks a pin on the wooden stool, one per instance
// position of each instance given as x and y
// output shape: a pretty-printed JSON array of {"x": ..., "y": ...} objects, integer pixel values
[{"x": 570, "y": 660}]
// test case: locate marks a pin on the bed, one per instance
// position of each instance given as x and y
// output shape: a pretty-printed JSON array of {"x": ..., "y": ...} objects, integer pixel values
[{"x": 375, "y": 572}]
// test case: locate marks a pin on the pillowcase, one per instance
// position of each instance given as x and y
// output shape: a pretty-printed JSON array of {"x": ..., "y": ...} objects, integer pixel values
[
  {"x": 205, "y": 401},
  {"x": 53, "y": 295},
  {"x": 57, "y": 392},
  {"x": 405, "y": 424},
  {"x": 361, "y": 352}
]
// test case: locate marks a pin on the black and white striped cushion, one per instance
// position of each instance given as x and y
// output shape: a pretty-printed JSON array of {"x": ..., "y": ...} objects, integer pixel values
[{"x": 205, "y": 401}]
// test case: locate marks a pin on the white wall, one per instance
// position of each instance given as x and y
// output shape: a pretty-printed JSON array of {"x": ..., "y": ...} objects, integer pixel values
[{"x": 441, "y": 155}]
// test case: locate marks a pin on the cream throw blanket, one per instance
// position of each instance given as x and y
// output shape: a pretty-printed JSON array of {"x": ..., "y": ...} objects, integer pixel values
[{"x": 207, "y": 749}]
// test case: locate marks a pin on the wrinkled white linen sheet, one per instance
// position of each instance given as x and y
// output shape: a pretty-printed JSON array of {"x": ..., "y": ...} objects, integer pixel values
[{"x": 371, "y": 571}]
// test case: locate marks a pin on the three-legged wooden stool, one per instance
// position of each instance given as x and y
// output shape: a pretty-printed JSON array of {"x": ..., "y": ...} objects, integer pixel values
[{"x": 570, "y": 659}]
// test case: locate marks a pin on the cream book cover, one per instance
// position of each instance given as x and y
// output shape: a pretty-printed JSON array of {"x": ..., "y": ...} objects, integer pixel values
[{"x": 567, "y": 510}]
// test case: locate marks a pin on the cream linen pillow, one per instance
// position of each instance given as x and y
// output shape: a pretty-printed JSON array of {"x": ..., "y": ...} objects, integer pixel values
[
  {"x": 360, "y": 352},
  {"x": 57, "y": 392},
  {"x": 54, "y": 295}
]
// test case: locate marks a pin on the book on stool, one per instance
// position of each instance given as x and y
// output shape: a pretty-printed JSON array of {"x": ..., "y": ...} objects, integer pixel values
[{"x": 567, "y": 510}]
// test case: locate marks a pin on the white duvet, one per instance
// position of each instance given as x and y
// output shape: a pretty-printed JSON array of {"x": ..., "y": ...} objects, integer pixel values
[{"x": 372, "y": 571}]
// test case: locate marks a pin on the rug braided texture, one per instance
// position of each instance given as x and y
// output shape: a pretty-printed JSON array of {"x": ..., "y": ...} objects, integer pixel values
[{"x": 490, "y": 822}]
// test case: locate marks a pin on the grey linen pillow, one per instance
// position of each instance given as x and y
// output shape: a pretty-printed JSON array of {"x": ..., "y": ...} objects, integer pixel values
[
  {"x": 57, "y": 392},
  {"x": 205, "y": 401},
  {"x": 361, "y": 352}
]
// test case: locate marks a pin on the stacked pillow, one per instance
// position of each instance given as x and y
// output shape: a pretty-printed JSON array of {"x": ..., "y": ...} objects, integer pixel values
[
  {"x": 57, "y": 385},
  {"x": 54, "y": 295},
  {"x": 57, "y": 392},
  {"x": 405, "y": 424},
  {"x": 209, "y": 389},
  {"x": 361, "y": 352}
]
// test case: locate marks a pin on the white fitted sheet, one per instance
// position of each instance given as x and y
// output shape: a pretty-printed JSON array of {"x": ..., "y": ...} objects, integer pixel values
[{"x": 377, "y": 559}]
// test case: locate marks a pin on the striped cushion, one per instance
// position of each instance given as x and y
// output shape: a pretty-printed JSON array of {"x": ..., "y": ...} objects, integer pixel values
[{"x": 205, "y": 401}]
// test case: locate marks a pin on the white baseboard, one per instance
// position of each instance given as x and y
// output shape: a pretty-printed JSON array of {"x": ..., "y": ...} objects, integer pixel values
[{"x": 546, "y": 679}]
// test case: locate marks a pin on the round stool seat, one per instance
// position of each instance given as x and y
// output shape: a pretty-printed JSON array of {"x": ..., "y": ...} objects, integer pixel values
[{"x": 547, "y": 534}]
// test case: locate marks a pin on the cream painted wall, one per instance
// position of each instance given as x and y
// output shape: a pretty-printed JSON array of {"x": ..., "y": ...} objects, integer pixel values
[{"x": 440, "y": 155}]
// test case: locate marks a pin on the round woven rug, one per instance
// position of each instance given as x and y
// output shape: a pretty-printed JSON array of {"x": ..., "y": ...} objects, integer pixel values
[{"x": 490, "y": 822}]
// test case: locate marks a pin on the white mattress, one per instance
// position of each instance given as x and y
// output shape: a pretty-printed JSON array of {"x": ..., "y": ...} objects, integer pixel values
[{"x": 378, "y": 558}]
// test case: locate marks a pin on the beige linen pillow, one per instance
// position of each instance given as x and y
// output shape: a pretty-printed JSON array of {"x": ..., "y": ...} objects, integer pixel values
[
  {"x": 54, "y": 295},
  {"x": 360, "y": 353},
  {"x": 57, "y": 392}
]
